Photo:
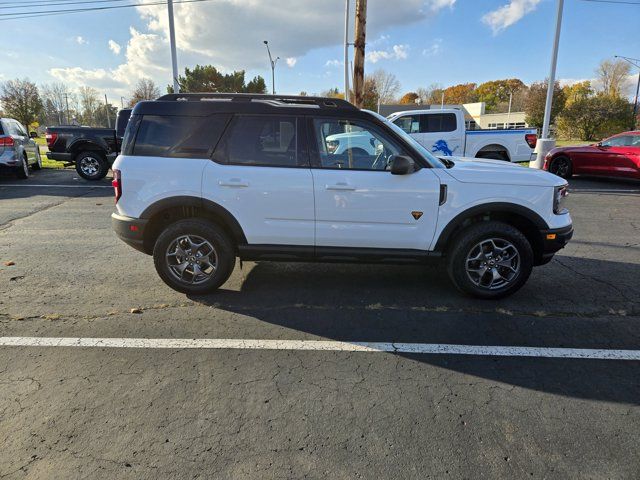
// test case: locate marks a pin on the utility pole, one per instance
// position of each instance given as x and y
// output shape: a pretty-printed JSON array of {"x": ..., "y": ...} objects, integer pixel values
[
  {"x": 509, "y": 114},
  {"x": 545, "y": 143},
  {"x": 346, "y": 50},
  {"x": 273, "y": 68},
  {"x": 358, "y": 57},
  {"x": 106, "y": 109},
  {"x": 172, "y": 40},
  {"x": 66, "y": 100},
  {"x": 636, "y": 63}
]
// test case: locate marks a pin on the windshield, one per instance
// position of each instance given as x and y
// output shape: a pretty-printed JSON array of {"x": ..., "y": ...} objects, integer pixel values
[{"x": 426, "y": 154}]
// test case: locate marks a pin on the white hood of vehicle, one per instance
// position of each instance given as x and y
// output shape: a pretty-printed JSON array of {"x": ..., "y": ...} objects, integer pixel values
[{"x": 500, "y": 172}]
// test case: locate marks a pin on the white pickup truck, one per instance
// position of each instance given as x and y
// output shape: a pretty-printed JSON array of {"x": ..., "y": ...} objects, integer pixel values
[{"x": 443, "y": 133}]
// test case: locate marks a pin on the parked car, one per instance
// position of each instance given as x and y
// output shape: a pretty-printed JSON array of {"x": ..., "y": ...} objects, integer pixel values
[
  {"x": 617, "y": 156},
  {"x": 92, "y": 150},
  {"x": 18, "y": 150},
  {"x": 443, "y": 133},
  {"x": 203, "y": 178}
]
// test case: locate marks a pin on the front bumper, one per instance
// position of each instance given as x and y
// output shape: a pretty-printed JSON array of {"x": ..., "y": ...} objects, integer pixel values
[
  {"x": 553, "y": 240},
  {"x": 129, "y": 230}
]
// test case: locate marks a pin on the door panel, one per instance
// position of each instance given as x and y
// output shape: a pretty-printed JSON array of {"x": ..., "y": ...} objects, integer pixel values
[{"x": 373, "y": 209}]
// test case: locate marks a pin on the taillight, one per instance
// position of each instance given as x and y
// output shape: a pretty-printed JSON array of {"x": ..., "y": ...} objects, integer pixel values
[
  {"x": 117, "y": 184},
  {"x": 51, "y": 138},
  {"x": 6, "y": 142},
  {"x": 531, "y": 139}
]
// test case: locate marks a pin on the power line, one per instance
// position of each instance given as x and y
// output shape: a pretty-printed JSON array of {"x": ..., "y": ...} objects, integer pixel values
[
  {"x": 40, "y": 3},
  {"x": 48, "y": 13}
]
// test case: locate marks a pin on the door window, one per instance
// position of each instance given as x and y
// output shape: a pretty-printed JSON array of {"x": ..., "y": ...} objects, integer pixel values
[
  {"x": 410, "y": 123},
  {"x": 261, "y": 140},
  {"x": 438, "y": 122},
  {"x": 353, "y": 144}
]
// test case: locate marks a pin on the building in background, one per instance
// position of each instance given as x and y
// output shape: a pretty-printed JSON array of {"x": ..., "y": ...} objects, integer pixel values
[{"x": 474, "y": 115}]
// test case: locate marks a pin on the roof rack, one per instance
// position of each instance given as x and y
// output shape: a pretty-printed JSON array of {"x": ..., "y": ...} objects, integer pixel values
[{"x": 289, "y": 100}]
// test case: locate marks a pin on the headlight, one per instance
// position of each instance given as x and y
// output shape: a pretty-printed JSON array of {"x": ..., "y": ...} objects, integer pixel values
[{"x": 559, "y": 196}]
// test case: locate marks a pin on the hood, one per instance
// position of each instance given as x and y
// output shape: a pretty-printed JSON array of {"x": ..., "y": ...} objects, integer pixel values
[{"x": 499, "y": 172}]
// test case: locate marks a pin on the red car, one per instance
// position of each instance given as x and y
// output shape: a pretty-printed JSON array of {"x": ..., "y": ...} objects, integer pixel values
[{"x": 617, "y": 156}]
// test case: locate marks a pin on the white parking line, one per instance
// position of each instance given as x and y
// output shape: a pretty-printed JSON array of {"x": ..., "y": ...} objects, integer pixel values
[
  {"x": 27, "y": 185},
  {"x": 322, "y": 346},
  {"x": 601, "y": 190}
]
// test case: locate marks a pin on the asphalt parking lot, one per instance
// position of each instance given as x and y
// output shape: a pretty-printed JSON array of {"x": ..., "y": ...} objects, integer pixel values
[{"x": 299, "y": 399}]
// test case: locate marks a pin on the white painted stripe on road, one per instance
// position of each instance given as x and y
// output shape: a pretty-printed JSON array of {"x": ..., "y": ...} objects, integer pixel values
[
  {"x": 25, "y": 185},
  {"x": 601, "y": 190},
  {"x": 321, "y": 345}
]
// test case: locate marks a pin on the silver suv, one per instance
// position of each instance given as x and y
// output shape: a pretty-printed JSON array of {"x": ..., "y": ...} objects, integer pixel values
[{"x": 18, "y": 150}]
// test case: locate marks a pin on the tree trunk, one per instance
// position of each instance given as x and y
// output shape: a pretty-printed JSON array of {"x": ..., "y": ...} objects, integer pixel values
[{"x": 358, "y": 58}]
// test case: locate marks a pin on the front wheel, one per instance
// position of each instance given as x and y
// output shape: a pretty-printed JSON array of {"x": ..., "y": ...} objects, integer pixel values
[
  {"x": 194, "y": 256},
  {"x": 562, "y": 167},
  {"x": 91, "y": 165},
  {"x": 490, "y": 260}
]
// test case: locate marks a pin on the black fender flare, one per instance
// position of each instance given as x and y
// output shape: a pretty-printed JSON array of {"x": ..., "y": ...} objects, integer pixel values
[
  {"x": 493, "y": 207},
  {"x": 202, "y": 203}
]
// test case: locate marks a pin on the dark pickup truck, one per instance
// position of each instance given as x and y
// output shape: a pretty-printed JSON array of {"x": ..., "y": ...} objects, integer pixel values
[{"x": 93, "y": 150}]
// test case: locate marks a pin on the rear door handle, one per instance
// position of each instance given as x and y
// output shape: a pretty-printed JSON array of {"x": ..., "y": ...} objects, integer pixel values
[
  {"x": 340, "y": 186},
  {"x": 234, "y": 182}
]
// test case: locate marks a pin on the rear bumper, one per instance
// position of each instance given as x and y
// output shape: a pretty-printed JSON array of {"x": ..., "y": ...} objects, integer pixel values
[
  {"x": 554, "y": 240},
  {"x": 129, "y": 230},
  {"x": 60, "y": 156}
]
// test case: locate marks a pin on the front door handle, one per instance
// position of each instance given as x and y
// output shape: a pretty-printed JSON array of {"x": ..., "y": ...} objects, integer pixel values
[
  {"x": 234, "y": 182},
  {"x": 340, "y": 186}
]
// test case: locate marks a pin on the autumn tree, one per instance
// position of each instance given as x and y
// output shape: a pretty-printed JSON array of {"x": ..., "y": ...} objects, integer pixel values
[
  {"x": 430, "y": 95},
  {"x": 387, "y": 85},
  {"x": 536, "y": 100},
  {"x": 206, "y": 78},
  {"x": 612, "y": 76},
  {"x": 577, "y": 91},
  {"x": 409, "y": 98},
  {"x": 459, "y": 94},
  {"x": 145, "y": 89},
  {"x": 21, "y": 100},
  {"x": 596, "y": 116},
  {"x": 332, "y": 93},
  {"x": 495, "y": 93}
]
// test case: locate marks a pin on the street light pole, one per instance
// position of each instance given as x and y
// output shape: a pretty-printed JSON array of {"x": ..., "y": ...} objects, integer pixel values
[
  {"x": 273, "y": 68},
  {"x": 346, "y": 50},
  {"x": 172, "y": 40},
  {"x": 545, "y": 143},
  {"x": 636, "y": 63}
]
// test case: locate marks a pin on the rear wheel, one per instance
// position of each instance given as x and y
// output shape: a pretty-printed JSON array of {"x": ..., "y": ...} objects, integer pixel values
[
  {"x": 562, "y": 167},
  {"x": 23, "y": 170},
  {"x": 493, "y": 156},
  {"x": 490, "y": 260},
  {"x": 194, "y": 256},
  {"x": 91, "y": 165}
]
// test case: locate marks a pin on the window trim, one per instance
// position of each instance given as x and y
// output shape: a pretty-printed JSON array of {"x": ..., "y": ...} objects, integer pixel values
[
  {"x": 314, "y": 154},
  {"x": 301, "y": 141}
]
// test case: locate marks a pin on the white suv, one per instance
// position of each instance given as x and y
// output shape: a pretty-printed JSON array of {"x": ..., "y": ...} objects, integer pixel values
[{"x": 205, "y": 178}]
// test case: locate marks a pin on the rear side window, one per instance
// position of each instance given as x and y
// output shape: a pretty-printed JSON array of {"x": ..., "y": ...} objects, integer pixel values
[
  {"x": 130, "y": 134},
  {"x": 177, "y": 136},
  {"x": 438, "y": 122},
  {"x": 261, "y": 140}
]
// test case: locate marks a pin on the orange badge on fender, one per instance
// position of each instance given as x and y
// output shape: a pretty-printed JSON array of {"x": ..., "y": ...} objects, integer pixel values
[{"x": 416, "y": 215}]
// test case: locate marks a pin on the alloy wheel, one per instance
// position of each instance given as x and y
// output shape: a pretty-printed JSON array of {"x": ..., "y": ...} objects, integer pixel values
[
  {"x": 89, "y": 166},
  {"x": 191, "y": 259},
  {"x": 493, "y": 263}
]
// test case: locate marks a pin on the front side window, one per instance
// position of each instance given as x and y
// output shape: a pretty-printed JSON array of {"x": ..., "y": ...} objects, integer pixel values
[
  {"x": 352, "y": 144},
  {"x": 410, "y": 123},
  {"x": 261, "y": 140},
  {"x": 178, "y": 136}
]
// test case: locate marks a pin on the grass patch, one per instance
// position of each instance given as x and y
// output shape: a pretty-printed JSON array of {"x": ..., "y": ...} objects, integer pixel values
[
  {"x": 46, "y": 163},
  {"x": 570, "y": 143}
]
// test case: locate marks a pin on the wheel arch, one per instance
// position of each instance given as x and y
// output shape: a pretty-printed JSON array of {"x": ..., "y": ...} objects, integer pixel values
[
  {"x": 169, "y": 210},
  {"x": 80, "y": 146},
  {"x": 494, "y": 147},
  {"x": 524, "y": 219}
]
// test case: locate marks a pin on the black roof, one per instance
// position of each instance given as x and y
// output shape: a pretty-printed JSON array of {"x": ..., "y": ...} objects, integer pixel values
[{"x": 203, "y": 104}]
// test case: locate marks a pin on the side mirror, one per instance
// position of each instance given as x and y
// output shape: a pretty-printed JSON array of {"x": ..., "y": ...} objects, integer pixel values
[
  {"x": 402, "y": 165},
  {"x": 33, "y": 134}
]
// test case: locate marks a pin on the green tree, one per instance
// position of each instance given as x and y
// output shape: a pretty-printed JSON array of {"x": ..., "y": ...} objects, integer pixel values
[
  {"x": 21, "y": 100},
  {"x": 577, "y": 91},
  {"x": 459, "y": 94},
  {"x": 206, "y": 78},
  {"x": 496, "y": 92},
  {"x": 535, "y": 103},
  {"x": 594, "y": 117}
]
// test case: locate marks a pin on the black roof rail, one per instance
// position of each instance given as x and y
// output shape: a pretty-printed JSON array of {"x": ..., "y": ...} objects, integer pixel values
[{"x": 300, "y": 100}]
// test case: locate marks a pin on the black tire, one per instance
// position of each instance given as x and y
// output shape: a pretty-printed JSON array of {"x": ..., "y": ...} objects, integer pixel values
[
  {"x": 91, "y": 165},
  {"x": 38, "y": 164},
  {"x": 224, "y": 255},
  {"x": 22, "y": 171},
  {"x": 562, "y": 167},
  {"x": 469, "y": 240}
]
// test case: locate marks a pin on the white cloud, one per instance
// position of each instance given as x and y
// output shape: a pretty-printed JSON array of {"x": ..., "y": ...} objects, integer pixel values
[
  {"x": 433, "y": 49},
  {"x": 291, "y": 62},
  {"x": 81, "y": 40},
  {"x": 398, "y": 52},
  {"x": 509, "y": 14},
  {"x": 334, "y": 63},
  {"x": 115, "y": 47}
]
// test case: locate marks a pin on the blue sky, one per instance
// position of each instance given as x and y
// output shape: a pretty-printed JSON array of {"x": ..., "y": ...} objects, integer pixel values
[{"x": 420, "y": 41}]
